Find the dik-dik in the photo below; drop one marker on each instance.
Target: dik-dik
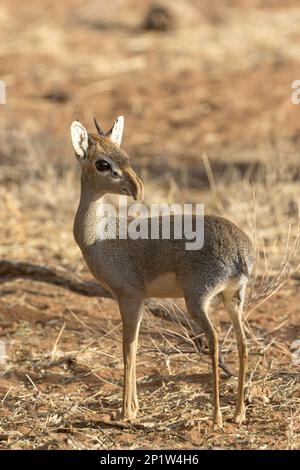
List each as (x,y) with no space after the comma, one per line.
(136,269)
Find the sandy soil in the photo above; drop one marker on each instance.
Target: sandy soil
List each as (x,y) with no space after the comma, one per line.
(218,82)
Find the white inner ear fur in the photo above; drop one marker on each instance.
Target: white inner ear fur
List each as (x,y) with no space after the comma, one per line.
(79,137)
(117,131)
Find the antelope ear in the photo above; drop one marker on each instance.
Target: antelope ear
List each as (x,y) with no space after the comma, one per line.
(116,132)
(79,137)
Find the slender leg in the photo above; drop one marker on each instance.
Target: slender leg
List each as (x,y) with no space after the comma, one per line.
(234,302)
(131,311)
(198,308)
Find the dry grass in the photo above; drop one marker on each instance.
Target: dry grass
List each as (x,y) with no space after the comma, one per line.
(217,126)
(54,396)
(66,384)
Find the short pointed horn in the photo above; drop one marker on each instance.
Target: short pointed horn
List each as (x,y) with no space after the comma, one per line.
(99,130)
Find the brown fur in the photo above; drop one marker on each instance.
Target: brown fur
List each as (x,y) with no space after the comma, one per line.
(136,269)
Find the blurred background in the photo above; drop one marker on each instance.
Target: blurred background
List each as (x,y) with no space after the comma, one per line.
(205,87)
(189,75)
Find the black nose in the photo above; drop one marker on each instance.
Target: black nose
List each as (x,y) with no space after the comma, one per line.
(115,174)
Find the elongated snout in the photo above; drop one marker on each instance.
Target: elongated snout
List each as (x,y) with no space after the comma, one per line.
(133,185)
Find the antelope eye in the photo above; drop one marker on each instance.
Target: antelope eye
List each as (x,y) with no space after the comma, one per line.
(102,165)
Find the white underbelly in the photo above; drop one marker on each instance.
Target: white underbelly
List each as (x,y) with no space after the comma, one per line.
(165,285)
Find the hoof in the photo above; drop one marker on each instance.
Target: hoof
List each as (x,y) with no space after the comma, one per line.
(218,422)
(239,417)
(129,416)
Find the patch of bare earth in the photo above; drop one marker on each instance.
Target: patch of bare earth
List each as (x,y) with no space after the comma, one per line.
(209,118)
(62,383)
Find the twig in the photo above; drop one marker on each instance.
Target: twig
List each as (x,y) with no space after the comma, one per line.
(53,352)
(32,382)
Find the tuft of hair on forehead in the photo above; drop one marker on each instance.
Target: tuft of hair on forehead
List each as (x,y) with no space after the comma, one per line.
(104,145)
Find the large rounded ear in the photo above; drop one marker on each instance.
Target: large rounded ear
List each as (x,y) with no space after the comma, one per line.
(116,132)
(79,137)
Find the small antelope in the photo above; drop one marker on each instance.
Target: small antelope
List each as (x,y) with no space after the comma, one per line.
(136,269)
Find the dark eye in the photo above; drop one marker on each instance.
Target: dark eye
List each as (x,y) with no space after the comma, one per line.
(102,165)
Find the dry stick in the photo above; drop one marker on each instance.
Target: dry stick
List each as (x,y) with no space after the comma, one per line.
(32,382)
(267,297)
(278,327)
(10,270)
(53,352)
(191,339)
(6,395)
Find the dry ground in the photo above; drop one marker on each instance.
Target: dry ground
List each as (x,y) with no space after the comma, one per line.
(62,383)
(208,118)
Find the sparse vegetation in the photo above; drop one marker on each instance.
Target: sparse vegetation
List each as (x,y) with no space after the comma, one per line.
(208,113)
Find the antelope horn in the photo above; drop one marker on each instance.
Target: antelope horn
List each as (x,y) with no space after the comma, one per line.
(99,130)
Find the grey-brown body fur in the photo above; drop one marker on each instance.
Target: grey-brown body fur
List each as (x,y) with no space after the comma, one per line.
(227,254)
(133,270)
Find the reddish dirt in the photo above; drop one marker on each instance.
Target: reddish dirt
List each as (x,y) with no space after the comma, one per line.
(218,82)
(62,382)
(203,86)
